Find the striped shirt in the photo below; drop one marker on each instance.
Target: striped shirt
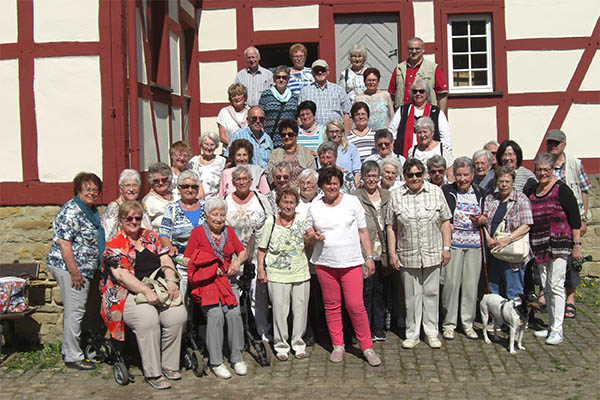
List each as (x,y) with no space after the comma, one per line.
(300,79)
(311,141)
(523,175)
(331,100)
(256,83)
(262,147)
(177,226)
(365,144)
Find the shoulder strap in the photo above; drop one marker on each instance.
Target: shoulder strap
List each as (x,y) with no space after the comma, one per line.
(259,201)
(271,232)
(277,119)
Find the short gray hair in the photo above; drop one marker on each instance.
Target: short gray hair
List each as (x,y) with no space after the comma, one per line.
(424,84)
(415,39)
(425,122)
(369,166)
(251,48)
(544,159)
(214,203)
(308,172)
(129,175)
(188,174)
(159,168)
(484,152)
(281,165)
(358,48)
(239,170)
(436,161)
(393,161)
(281,68)
(491,143)
(327,147)
(211,135)
(463,162)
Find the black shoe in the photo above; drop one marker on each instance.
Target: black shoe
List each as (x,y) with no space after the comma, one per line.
(379,335)
(309,340)
(83,365)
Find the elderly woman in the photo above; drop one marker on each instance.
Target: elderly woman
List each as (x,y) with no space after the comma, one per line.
(379,101)
(133,254)
(247,212)
(462,272)
(240,153)
(208,165)
(348,157)
(390,173)
(362,136)
(160,195)
(180,153)
(328,152)
(310,134)
(404,121)
(428,147)
(278,102)
(375,202)
(283,265)
(436,170)
(510,154)
(297,156)
(418,234)
(233,117)
(351,79)
(77,245)
(129,189)
(337,222)
(212,273)
(514,208)
(300,74)
(180,218)
(484,175)
(555,238)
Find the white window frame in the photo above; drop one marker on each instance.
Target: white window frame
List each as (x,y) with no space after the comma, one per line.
(490,71)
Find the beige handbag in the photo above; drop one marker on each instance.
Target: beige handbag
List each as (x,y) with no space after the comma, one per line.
(515,252)
(159,286)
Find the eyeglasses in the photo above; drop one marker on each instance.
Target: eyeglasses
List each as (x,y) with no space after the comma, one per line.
(420,91)
(414,174)
(256,119)
(284,77)
(414,49)
(162,180)
(282,177)
(384,144)
(544,170)
(287,134)
(130,219)
(195,187)
(336,132)
(435,171)
(130,185)
(242,179)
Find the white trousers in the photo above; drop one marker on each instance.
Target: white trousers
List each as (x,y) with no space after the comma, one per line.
(552,275)
(282,294)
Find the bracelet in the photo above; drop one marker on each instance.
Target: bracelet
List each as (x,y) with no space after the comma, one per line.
(446,248)
(172,279)
(371,257)
(512,239)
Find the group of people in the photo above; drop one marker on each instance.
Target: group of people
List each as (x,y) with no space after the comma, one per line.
(349,203)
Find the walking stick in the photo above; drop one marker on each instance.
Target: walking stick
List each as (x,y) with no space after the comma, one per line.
(484,259)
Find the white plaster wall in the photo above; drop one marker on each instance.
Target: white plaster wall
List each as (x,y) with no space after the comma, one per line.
(69,117)
(471,129)
(139,50)
(174,10)
(176,121)
(284,18)
(65,21)
(8,21)
(187,7)
(581,128)
(541,71)
(175,63)
(591,81)
(10,151)
(147,146)
(217,30)
(528,126)
(423,13)
(550,18)
(215,78)
(161,111)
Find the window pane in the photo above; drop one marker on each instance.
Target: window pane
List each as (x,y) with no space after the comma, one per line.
(460,45)
(459,28)
(477,27)
(478,61)
(478,44)
(461,62)
(480,78)
(461,78)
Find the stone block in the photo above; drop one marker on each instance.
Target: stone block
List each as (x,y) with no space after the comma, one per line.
(11,212)
(56,295)
(32,224)
(47,318)
(591,269)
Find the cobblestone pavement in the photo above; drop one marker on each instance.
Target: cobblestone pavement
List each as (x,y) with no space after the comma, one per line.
(463,368)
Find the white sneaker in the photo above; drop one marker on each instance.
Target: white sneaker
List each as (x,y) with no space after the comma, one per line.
(541,334)
(240,368)
(448,334)
(471,334)
(554,338)
(433,342)
(409,343)
(221,371)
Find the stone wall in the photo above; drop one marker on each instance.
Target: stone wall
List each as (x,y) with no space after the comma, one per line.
(26,234)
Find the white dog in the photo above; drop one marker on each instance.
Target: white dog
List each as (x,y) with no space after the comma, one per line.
(512,313)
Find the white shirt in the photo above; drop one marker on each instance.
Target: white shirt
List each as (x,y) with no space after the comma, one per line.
(443,126)
(339,224)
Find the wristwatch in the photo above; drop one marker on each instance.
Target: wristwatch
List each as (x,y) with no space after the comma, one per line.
(371,257)
(446,248)
(576,243)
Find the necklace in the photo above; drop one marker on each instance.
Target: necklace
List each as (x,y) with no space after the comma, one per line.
(289,224)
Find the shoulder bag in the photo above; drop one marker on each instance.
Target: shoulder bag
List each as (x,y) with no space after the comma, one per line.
(515,252)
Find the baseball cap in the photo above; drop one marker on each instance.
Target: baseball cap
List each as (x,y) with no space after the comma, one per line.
(320,63)
(556,135)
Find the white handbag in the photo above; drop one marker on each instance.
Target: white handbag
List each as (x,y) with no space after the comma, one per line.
(515,252)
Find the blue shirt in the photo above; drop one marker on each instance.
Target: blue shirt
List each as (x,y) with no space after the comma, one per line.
(262,147)
(331,100)
(177,224)
(349,159)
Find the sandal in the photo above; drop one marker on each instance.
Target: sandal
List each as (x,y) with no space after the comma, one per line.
(160,383)
(171,375)
(570,311)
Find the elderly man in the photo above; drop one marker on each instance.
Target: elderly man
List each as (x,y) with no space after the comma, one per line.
(384,143)
(331,100)
(254,133)
(255,78)
(417,67)
(492,147)
(570,170)
(484,174)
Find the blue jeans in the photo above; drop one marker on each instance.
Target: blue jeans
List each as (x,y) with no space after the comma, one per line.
(503,280)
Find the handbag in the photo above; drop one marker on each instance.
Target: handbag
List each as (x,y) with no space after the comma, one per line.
(13,295)
(515,252)
(159,286)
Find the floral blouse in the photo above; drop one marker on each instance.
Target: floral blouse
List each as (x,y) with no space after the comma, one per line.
(120,253)
(210,175)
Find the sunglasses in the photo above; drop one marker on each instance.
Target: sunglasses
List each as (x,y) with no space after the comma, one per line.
(284,77)
(162,180)
(384,144)
(287,134)
(335,133)
(195,187)
(256,119)
(130,219)
(420,91)
(414,174)
(436,171)
(319,71)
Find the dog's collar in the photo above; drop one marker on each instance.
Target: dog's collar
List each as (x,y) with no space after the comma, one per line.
(505,302)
